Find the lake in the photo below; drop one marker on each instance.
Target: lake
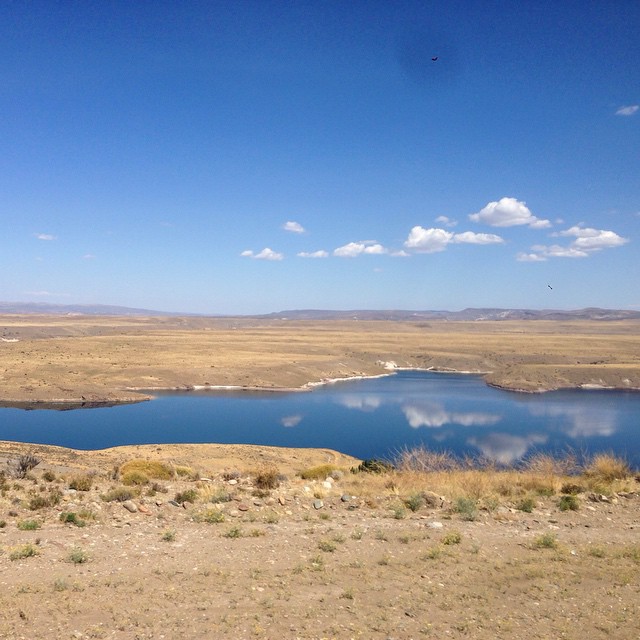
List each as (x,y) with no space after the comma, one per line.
(365,418)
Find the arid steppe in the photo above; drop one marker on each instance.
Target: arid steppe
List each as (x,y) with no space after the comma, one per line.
(106,359)
(225,541)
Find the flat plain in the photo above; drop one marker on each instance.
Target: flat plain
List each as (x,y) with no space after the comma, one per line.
(223,541)
(110,359)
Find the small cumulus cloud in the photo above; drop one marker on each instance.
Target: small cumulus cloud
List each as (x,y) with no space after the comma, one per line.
(355,249)
(265,254)
(628,110)
(594,239)
(428,240)
(587,241)
(508,212)
(433,240)
(45,236)
(447,222)
(293,227)
(313,254)
(88,256)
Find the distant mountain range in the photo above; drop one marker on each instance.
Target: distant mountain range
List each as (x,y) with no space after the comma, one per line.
(591,313)
(78,309)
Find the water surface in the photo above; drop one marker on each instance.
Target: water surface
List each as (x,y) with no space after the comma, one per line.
(365,418)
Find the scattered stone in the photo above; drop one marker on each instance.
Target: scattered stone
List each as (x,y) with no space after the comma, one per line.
(327,485)
(345,497)
(232,481)
(243,507)
(281,500)
(174,503)
(433,500)
(145,510)
(129,505)
(435,525)
(318,504)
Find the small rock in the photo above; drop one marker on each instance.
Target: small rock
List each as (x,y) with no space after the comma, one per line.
(145,510)
(327,485)
(174,503)
(318,504)
(281,500)
(435,525)
(243,507)
(233,481)
(345,497)
(129,505)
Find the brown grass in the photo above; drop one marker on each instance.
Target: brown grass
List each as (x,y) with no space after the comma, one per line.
(152,469)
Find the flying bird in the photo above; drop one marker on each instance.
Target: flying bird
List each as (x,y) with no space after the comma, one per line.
(434,59)
(550,287)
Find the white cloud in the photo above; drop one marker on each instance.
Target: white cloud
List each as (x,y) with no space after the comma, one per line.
(45,236)
(628,110)
(433,240)
(313,254)
(294,227)
(508,212)
(530,257)
(88,256)
(428,240)
(470,237)
(265,254)
(447,222)
(587,241)
(355,249)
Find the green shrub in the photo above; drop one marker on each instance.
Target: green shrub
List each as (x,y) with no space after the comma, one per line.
(373,465)
(189,495)
(546,541)
(568,503)
(526,504)
(72,518)
(415,502)
(467,508)
(119,494)
(28,525)
(78,556)
(326,546)
(23,551)
(453,537)
(210,516)
(234,532)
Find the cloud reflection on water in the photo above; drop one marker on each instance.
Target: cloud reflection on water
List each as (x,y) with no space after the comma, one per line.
(505,448)
(435,416)
(580,422)
(291,421)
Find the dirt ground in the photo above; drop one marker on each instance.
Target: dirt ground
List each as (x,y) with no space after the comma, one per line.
(339,558)
(85,359)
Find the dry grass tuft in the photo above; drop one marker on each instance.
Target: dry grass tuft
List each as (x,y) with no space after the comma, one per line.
(606,468)
(150,468)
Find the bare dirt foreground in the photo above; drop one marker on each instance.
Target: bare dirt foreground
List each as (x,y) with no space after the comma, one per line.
(233,543)
(105,359)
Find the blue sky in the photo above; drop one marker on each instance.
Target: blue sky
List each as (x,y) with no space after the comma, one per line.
(248,157)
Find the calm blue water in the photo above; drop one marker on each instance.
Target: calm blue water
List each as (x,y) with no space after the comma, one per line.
(364,418)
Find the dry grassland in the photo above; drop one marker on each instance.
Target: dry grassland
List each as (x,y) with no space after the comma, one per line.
(207,541)
(100,359)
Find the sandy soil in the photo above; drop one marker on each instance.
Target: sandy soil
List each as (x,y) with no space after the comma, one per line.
(92,359)
(301,561)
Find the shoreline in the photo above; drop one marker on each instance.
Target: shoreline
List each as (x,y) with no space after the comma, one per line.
(146,393)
